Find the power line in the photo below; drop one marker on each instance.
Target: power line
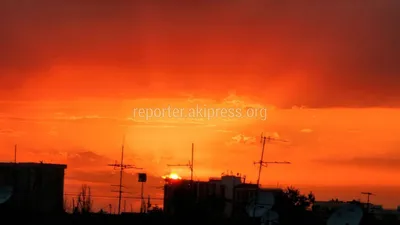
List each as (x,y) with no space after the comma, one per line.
(104,196)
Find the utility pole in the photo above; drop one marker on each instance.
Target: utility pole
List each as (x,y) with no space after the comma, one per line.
(367,194)
(263,163)
(148,203)
(122,167)
(189,165)
(142,205)
(142,178)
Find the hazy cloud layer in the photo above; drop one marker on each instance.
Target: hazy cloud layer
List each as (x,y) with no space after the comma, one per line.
(314,53)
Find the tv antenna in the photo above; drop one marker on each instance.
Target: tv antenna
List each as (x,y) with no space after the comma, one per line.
(15,153)
(189,165)
(121,167)
(263,163)
(368,194)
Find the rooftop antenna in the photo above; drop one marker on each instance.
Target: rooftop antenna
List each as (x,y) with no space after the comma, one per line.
(367,194)
(263,163)
(15,154)
(190,164)
(122,167)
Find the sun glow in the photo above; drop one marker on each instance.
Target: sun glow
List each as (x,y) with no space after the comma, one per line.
(172,176)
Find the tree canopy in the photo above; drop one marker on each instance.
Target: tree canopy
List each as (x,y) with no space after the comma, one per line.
(293,206)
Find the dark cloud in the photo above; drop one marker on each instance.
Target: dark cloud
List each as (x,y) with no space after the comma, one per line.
(87,159)
(108,178)
(6,131)
(129,122)
(89,167)
(10,132)
(77,158)
(315,53)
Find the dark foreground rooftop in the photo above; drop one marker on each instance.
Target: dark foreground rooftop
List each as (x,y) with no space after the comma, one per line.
(32,165)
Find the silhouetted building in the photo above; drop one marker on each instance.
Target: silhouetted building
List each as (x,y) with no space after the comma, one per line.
(198,190)
(220,187)
(36,187)
(228,183)
(325,208)
(328,205)
(230,188)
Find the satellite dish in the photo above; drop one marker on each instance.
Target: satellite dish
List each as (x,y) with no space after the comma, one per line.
(264,202)
(266,199)
(346,215)
(270,218)
(255,211)
(5,193)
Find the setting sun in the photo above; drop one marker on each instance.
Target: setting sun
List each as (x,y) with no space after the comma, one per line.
(172,176)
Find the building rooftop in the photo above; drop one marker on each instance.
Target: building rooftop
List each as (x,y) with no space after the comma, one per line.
(271,189)
(32,164)
(182,181)
(254,186)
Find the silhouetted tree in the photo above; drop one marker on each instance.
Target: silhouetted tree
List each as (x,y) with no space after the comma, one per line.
(297,200)
(84,198)
(292,206)
(65,204)
(155,209)
(335,200)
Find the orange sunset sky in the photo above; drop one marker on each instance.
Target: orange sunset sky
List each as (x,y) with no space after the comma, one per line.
(71,73)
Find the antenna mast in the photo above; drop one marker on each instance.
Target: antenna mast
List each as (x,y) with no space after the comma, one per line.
(263,163)
(368,194)
(189,165)
(121,167)
(15,154)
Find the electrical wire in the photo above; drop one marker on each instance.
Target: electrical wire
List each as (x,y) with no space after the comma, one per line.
(104,196)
